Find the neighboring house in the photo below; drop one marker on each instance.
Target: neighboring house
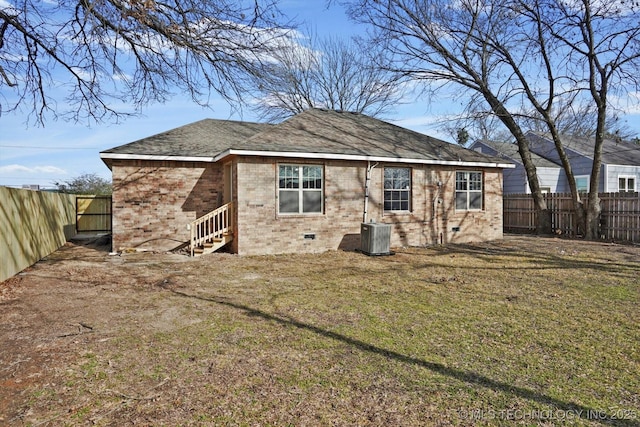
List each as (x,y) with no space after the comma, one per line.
(551,176)
(620,170)
(304,185)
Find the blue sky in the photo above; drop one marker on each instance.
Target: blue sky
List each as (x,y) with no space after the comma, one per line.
(63,150)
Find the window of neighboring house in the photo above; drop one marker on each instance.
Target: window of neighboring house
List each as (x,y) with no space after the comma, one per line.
(300,189)
(397,189)
(582,183)
(545,190)
(626,183)
(468,190)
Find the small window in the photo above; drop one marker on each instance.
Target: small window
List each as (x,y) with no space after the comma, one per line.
(582,183)
(300,189)
(397,189)
(627,184)
(468,190)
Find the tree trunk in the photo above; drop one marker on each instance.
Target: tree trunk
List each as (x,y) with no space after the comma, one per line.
(592,217)
(543,215)
(543,222)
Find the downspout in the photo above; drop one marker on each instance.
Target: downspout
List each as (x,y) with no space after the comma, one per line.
(367,181)
(434,212)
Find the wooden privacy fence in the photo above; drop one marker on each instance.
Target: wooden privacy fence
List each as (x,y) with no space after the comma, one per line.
(619,218)
(93,214)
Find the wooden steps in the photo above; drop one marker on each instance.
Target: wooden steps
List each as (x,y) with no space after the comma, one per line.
(213,245)
(212,231)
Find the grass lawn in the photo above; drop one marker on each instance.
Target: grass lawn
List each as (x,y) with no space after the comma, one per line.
(523,331)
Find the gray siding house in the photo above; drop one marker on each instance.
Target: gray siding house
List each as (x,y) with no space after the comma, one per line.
(551,175)
(620,170)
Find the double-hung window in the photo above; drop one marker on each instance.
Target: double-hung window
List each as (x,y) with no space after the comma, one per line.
(468,190)
(626,183)
(397,189)
(300,189)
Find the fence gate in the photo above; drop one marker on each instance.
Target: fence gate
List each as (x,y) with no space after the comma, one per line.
(93,214)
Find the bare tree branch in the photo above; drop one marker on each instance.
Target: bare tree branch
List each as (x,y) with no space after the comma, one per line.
(526,60)
(324,73)
(109,58)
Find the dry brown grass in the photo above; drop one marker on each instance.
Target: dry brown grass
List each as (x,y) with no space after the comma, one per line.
(524,331)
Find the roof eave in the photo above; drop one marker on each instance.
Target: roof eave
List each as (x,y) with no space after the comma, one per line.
(355,157)
(293,154)
(119,156)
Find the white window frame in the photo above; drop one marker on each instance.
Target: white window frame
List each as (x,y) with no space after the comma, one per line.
(467,190)
(588,178)
(626,179)
(297,186)
(392,188)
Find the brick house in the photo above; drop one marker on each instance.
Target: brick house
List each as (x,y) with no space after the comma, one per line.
(304,185)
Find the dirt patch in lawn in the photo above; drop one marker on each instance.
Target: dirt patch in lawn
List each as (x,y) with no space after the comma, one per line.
(89,337)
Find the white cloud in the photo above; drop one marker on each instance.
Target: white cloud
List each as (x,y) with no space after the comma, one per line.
(37,170)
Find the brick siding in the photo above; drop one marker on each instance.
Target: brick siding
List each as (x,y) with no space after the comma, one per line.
(154,201)
(261,230)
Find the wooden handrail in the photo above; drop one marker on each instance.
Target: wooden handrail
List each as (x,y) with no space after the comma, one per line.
(214,225)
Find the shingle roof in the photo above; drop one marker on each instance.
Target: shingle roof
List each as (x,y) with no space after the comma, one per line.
(204,138)
(510,151)
(314,132)
(613,152)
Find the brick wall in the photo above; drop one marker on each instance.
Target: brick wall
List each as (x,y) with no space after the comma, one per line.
(433,218)
(153,201)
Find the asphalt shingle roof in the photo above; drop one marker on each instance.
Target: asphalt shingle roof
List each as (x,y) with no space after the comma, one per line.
(204,138)
(613,152)
(314,131)
(510,151)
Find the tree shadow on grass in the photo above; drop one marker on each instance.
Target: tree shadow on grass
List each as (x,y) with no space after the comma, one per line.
(576,410)
(517,257)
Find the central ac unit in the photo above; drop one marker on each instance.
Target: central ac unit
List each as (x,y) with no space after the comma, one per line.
(375,239)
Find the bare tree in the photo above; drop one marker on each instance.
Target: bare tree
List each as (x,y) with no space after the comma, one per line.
(440,43)
(518,57)
(578,119)
(327,73)
(600,43)
(479,122)
(111,57)
(87,183)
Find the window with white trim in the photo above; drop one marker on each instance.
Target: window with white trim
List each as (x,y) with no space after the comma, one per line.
(582,183)
(626,183)
(397,189)
(300,189)
(468,190)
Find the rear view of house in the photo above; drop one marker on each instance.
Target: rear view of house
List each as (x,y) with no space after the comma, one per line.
(304,185)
